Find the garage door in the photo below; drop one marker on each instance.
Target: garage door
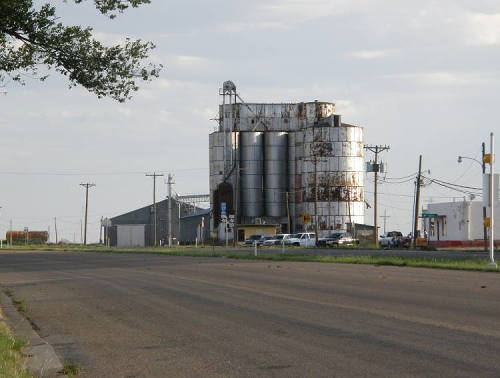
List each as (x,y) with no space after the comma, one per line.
(130,235)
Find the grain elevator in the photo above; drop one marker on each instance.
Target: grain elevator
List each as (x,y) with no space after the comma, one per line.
(293,165)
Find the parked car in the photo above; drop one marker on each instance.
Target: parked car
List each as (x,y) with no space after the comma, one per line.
(392,239)
(303,239)
(277,239)
(252,239)
(322,242)
(269,241)
(343,239)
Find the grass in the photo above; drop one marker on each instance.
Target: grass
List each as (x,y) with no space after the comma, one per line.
(229,253)
(71,369)
(11,360)
(20,305)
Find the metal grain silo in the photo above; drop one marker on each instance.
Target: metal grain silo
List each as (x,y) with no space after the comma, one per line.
(333,162)
(275,176)
(252,170)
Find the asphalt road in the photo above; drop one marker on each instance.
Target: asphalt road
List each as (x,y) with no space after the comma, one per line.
(159,316)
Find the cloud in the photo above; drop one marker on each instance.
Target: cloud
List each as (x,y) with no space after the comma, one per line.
(483,29)
(445,78)
(245,26)
(190,60)
(296,11)
(285,14)
(370,54)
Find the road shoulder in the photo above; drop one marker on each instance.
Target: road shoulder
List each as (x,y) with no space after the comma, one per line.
(41,358)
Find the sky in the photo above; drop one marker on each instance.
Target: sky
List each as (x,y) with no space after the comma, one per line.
(420,76)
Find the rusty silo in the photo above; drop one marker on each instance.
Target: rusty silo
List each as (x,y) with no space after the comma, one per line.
(281,161)
(332,176)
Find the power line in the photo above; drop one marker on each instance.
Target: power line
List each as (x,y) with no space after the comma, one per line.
(451,184)
(401,178)
(111,173)
(383,181)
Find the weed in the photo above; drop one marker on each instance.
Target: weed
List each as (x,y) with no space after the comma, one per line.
(20,305)
(71,369)
(11,360)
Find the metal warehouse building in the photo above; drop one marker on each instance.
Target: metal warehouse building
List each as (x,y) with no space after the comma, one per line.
(284,163)
(136,228)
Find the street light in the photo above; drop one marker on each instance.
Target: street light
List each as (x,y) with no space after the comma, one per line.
(460,160)
(483,168)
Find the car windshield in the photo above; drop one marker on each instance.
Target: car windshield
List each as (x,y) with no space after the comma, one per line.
(279,237)
(269,237)
(336,235)
(394,234)
(254,237)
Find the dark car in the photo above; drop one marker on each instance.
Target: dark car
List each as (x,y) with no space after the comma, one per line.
(345,239)
(323,242)
(252,239)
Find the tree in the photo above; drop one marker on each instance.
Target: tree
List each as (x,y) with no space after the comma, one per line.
(30,38)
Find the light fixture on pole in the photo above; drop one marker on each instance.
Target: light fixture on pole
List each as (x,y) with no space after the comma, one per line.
(461,158)
(483,169)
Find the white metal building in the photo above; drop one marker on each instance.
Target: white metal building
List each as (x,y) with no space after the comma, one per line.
(458,221)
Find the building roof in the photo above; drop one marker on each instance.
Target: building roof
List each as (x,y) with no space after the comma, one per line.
(199,213)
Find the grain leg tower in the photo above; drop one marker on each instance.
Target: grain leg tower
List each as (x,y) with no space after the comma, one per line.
(275,163)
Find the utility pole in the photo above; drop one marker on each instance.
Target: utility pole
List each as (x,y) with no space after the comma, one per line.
(376,169)
(170,182)
(385,216)
(100,231)
(86,186)
(492,201)
(10,224)
(417,201)
(315,200)
(154,175)
(315,161)
(55,227)
(485,229)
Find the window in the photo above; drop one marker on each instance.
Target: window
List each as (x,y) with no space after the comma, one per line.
(443,226)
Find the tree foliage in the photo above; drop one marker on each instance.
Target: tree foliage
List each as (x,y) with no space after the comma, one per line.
(30,38)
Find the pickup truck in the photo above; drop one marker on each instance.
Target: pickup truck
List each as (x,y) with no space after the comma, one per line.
(392,239)
(303,239)
(259,239)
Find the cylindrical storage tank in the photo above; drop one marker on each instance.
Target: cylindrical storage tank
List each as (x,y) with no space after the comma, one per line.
(292,172)
(333,161)
(275,176)
(216,158)
(252,170)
